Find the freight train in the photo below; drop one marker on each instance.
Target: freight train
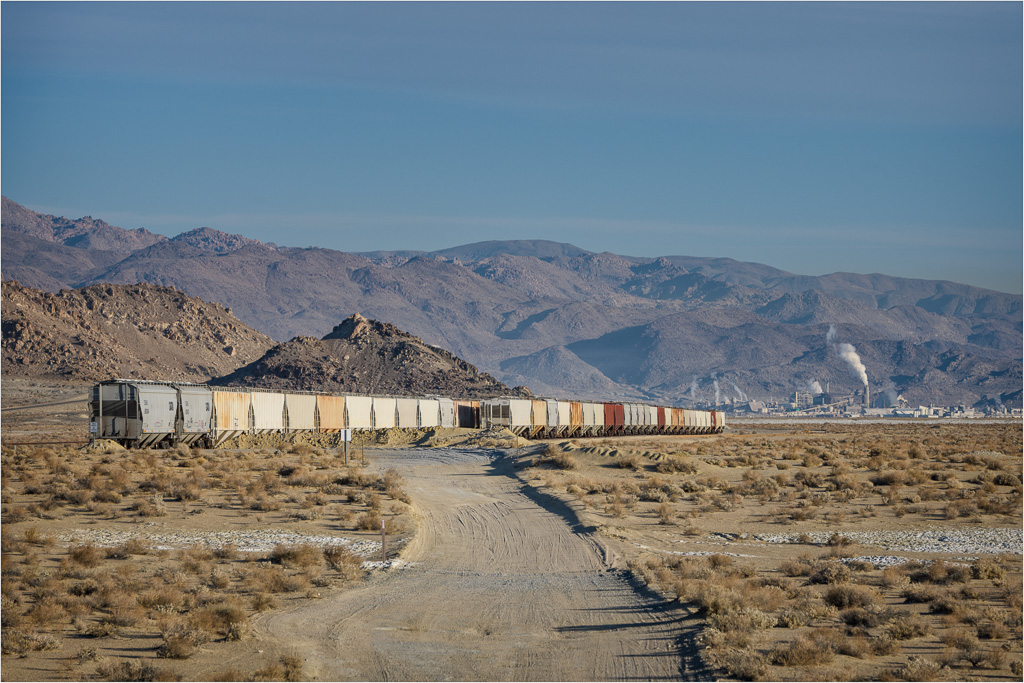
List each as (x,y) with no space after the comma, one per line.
(142,413)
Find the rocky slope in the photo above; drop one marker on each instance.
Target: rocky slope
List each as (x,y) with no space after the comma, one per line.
(573,322)
(106,331)
(366,356)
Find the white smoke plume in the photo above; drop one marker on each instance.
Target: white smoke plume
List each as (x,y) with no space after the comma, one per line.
(812,387)
(693,389)
(739,392)
(718,391)
(849,354)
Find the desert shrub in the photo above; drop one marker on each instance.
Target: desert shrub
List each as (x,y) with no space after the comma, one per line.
(150,507)
(845,596)
(557,458)
(746,666)
(796,568)
(125,550)
(908,627)
(793,618)
(830,572)
(673,464)
(369,521)
(16,514)
(302,556)
(1006,479)
(746,619)
(666,513)
(18,642)
(866,617)
(162,597)
(133,670)
(616,508)
(124,610)
(270,579)
(945,604)
(261,601)
(801,652)
(939,572)
(287,668)
(984,568)
(895,577)
(183,490)
(992,630)
(960,639)
(218,618)
(341,559)
(86,555)
(631,462)
(177,646)
(916,669)
(920,594)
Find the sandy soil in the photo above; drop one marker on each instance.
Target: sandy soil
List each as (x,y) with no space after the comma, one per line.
(505,584)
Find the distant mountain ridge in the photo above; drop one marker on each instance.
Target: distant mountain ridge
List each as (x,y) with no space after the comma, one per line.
(567,320)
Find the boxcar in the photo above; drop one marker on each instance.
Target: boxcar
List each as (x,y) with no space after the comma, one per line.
(359,412)
(331,410)
(267,412)
(408,413)
(232,414)
(301,410)
(383,412)
(196,413)
(429,412)
(446,407)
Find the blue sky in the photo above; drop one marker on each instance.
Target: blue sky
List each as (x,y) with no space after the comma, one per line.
(863,137)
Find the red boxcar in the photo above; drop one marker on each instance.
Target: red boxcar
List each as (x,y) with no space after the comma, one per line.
(614,417)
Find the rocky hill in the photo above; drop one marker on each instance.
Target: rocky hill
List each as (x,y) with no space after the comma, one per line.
(105,331)
(366,356)
(572,322)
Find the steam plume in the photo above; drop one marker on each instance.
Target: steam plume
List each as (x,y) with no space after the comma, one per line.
(812,387)
(739,392)
(890,393)
(693,389)
(849,354)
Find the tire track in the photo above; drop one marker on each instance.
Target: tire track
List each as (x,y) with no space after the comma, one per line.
(506,586)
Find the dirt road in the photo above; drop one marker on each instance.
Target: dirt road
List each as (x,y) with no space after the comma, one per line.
(506,585)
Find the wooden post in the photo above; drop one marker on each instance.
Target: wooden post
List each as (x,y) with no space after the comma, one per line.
(383,543)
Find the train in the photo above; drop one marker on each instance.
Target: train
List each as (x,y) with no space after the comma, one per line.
(157,414)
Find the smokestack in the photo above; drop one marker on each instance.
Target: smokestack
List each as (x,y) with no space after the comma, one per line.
(867,396)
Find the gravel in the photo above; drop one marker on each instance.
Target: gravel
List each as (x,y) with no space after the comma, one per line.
(959,541)
(250,541)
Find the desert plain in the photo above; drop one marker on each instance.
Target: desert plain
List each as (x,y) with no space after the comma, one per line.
(799,550)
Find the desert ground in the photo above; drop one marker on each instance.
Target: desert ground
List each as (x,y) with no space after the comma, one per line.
(817,551)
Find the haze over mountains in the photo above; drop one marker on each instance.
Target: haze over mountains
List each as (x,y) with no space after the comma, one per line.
(568,322)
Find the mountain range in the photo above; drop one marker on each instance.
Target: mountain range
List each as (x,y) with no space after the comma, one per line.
(565,321)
